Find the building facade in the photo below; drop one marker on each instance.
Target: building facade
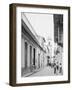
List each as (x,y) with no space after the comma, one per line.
(58,29)
(33,54)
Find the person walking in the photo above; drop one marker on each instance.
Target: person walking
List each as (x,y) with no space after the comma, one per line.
(60,70)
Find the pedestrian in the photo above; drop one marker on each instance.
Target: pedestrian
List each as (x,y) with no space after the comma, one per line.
(54,68)
(60,66)
(54,64)
(57,66)
(48,61)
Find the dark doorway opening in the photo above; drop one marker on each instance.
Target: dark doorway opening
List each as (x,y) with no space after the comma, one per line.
(26,47)
(30,55)
(34,56)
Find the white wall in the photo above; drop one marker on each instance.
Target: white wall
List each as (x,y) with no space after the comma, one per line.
(4,45)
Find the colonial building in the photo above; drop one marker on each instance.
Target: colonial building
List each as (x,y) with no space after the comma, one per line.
(32,52)
(58,29)
(42,42)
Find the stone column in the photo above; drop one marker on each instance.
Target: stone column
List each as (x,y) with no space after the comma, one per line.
(28,56)
(22,52)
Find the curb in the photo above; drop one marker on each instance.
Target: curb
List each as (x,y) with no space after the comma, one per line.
(32,73)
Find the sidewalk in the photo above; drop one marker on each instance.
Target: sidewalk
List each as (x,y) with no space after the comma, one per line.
(31,73)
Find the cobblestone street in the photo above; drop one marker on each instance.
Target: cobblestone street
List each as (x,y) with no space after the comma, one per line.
(47,71)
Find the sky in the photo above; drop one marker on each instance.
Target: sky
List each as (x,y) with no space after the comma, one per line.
(42,24)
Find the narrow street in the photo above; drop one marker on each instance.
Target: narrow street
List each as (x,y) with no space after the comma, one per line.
(47,71)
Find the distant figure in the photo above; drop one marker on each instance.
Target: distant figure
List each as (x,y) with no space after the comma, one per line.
(55,69)
(57,66)
(48,61)
(60,66)
(54,65)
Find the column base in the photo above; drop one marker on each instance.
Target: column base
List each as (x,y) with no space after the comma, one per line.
(27,70)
